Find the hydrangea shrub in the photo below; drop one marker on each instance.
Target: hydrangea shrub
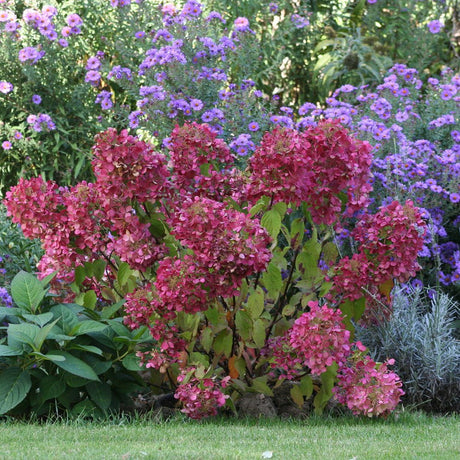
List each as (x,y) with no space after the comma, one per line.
(238,275)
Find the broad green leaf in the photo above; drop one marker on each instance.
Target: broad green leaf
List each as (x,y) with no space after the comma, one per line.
(67,318)
(14,386)
(75,366)
(5,350)
(80,275)
(306,386)
(85,408)
(271,221)
(199,358)
(330,253)
(259,333)
(280,208)
(297,396)
(297,232)
(243,324)
(51,387)
(27,291)
(325,392)
(131,362)
(259,384)
(7,311)
(109,312)
(207,337)
(255,303)
(273,281)
(259,206)
(99,366)
(90,299)
(100,393)
(99,268)
(47,279)
(40,320)
(223,343)
(85,327)
(88,348)
(124,272)
(24,333)
(42,334)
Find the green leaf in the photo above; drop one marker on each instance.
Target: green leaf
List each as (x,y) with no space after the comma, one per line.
(243,324)
(67,318)
(43,335)
(24,333)
(255,303)
(207,337)
(51,387)
(27,291)
(75,366)
(85,408)
(297,396)
(325,392)
(199,359)
(7,311)
(90,299)
(223,343)
(124,272)
(40,320)
(273,281)
(259,385)
(306,386)
(80,275)
(280,208)
(88,348)
(271,221)
(259,333)
(100,393)
(85,327)
(259,206)
(47,279)
(14,386)
(5,350)
(99,268)
(109,312)
(131,362)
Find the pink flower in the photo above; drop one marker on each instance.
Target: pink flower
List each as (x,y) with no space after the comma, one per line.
(368,388)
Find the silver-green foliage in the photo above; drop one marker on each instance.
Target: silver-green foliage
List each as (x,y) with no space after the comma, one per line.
(420,336)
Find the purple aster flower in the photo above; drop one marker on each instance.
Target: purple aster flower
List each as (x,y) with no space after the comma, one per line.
(93,77)
(63,42)
(36,99)
(196,104)
(273,7)
(139,34)
(17,135)
(5,87)
(241,24)
(253,126)
(454,197)
(299,21)
(435,26)
(6,145)
(207,116)
(73,20)
(93,63)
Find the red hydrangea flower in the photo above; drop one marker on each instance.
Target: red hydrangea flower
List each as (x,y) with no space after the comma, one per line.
(320,167)
(368,388)
(316,340)
(200,397)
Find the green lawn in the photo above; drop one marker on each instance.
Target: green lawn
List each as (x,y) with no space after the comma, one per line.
(411,436)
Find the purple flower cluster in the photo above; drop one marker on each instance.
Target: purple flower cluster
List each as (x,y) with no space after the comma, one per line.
(5,298)
(406,166)
(41,122)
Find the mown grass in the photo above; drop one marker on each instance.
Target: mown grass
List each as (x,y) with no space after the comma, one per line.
(409,436)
